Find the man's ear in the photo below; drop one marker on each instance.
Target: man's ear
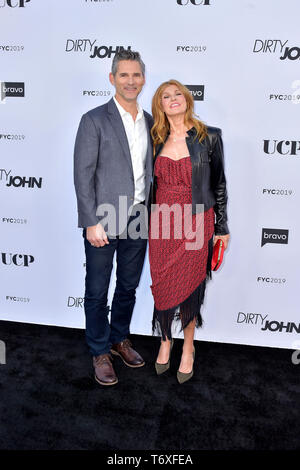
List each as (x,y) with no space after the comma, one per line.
(111,78)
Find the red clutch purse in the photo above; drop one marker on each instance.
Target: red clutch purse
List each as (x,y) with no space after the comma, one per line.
(217,257)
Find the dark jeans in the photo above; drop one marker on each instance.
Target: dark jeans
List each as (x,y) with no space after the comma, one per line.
(100,335)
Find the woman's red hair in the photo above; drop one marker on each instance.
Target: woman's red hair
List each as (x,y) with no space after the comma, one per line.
(161,125)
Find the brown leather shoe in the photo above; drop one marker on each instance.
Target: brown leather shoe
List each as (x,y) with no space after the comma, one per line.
(104,371)
(129,356)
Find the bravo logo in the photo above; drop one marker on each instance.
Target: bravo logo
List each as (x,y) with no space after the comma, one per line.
(197,91)
(274,235)
(12,90)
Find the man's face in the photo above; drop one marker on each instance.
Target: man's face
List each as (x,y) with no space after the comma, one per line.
(128,80)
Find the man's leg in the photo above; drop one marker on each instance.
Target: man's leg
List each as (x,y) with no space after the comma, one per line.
(99,262)
(130,260)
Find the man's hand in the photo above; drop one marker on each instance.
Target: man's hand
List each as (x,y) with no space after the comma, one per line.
(225,239)
(96,236)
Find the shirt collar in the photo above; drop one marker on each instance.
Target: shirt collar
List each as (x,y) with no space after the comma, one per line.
(124,113)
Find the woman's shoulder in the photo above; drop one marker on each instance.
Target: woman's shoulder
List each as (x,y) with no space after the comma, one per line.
(214,130)
(211,131)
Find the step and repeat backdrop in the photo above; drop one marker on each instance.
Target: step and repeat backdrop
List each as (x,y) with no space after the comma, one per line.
(240,59)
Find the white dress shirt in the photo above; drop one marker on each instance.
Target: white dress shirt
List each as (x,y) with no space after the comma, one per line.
(137,137)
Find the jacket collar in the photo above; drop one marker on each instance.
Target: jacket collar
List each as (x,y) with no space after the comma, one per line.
(192,132)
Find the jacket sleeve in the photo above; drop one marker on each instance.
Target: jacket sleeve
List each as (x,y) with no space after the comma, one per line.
(218,182)
(85,163)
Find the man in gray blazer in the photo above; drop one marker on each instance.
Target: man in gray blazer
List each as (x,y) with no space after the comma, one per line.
(113,161)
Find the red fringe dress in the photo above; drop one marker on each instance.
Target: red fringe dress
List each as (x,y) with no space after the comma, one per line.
(178,274)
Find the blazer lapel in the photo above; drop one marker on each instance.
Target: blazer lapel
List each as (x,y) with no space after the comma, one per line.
(117,125)
(149,155)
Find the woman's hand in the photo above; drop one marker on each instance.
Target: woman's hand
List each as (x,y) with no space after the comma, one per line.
(225,239)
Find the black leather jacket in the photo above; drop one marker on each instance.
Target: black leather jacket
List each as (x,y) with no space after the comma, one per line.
(208,177)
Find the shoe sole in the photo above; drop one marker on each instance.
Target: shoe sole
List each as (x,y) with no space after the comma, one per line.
(105,383)
(115,353)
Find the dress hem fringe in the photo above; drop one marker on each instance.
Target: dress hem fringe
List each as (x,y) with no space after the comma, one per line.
(163,319)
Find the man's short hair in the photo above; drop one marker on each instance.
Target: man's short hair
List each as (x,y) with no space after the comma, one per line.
(126,54)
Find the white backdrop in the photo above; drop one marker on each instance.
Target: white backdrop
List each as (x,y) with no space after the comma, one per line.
(231,48)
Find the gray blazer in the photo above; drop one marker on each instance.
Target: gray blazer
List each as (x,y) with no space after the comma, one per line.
(102,163)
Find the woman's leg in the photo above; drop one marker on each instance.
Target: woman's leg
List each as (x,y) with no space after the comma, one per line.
(186,364)
(164,351)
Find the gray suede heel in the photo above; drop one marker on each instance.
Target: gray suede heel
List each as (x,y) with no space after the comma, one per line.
(184,377)
(161,368)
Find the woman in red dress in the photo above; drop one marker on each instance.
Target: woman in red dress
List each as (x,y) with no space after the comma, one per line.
(188,216)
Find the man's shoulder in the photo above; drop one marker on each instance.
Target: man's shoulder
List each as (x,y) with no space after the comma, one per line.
(97,112)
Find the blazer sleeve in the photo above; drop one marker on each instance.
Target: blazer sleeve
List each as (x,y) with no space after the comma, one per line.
(218,182)
(85,162)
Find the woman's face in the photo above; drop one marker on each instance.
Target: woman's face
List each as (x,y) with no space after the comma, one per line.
(173,101)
